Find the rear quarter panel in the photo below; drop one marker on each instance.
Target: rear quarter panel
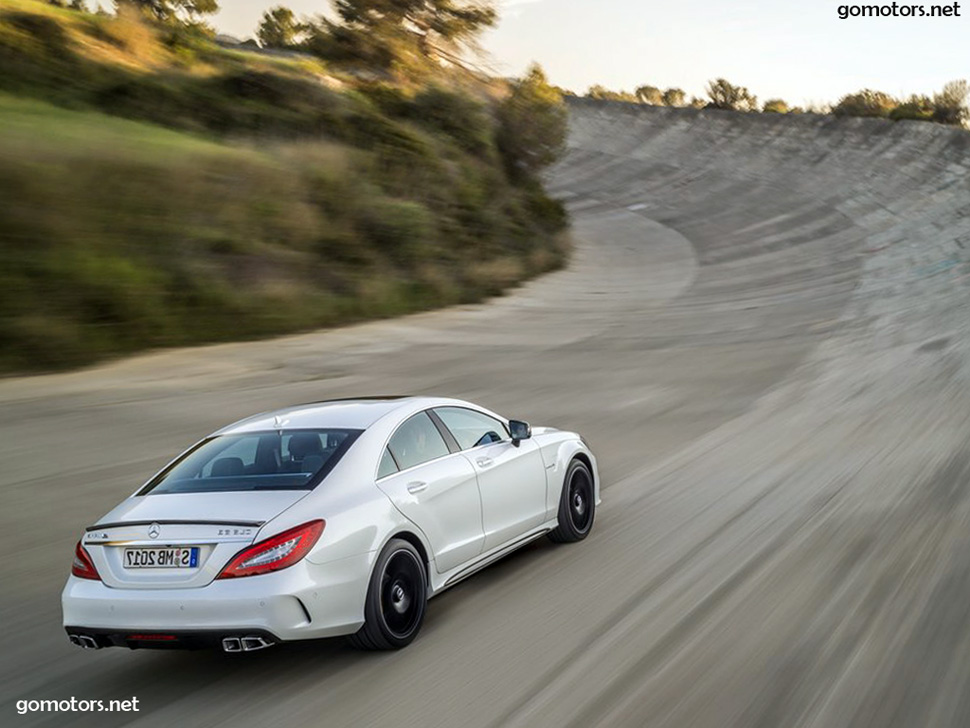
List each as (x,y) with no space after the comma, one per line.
(360,518)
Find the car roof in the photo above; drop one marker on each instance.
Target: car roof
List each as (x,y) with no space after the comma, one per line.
(357,413)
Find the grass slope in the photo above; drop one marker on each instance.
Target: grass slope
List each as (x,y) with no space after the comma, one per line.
(240,198)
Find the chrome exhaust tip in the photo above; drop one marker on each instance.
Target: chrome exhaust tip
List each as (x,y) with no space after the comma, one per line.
(83,640)
(255,642)
(231,644)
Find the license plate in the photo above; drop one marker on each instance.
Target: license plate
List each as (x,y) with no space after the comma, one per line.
(163,558)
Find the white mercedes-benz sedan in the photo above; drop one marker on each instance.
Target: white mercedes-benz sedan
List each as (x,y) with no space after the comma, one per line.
(333,518)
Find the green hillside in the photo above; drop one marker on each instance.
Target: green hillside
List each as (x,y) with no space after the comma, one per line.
(159,191)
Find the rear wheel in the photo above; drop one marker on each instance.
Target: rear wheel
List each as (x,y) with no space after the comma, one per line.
(576,505)
(396,599)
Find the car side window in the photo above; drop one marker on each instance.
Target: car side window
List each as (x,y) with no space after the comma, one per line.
(472,428)
(417,441)
(387,466)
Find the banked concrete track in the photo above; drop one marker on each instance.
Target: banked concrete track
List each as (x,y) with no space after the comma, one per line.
(763,333)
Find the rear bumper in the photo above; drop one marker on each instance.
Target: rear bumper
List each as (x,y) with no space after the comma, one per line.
(167,640)
(305,601)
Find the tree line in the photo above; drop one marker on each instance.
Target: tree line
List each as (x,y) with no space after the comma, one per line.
(409,38)
(390,36)
(948,106)
(401,43)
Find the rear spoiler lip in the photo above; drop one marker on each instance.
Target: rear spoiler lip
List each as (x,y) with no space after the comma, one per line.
(169,521)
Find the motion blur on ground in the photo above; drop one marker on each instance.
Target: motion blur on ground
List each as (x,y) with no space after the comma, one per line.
(762,330)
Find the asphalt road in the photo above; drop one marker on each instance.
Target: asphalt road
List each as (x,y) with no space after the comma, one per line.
(763,334)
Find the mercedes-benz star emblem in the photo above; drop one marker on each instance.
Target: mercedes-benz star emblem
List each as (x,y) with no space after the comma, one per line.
(154,530)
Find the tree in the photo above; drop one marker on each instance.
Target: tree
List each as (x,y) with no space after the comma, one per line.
(675,97)
(650,95)
(279,28)
(697,103)
(393,29)
(725,95)
(173,11)
(865,103)
(950,105)
(775,106)
(532,124)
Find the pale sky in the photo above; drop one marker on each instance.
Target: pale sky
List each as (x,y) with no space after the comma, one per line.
(795,49)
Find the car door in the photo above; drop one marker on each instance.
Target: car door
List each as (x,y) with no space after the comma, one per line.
(511,478)
(435,488)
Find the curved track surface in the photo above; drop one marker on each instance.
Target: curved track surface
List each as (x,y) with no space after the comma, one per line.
(763,334)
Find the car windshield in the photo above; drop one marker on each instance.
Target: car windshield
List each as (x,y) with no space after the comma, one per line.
(278,460)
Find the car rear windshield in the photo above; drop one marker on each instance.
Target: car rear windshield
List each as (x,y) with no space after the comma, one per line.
(278,460)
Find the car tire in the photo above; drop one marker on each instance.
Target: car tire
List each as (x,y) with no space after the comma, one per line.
(577,505)
(397,597)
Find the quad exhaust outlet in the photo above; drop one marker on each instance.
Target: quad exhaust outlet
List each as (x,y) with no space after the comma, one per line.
(249,643)
(85,641)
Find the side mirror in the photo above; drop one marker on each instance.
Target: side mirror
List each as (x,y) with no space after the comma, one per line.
(520,431)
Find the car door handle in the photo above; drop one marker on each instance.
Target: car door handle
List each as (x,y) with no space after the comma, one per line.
(417,486)
(484,462)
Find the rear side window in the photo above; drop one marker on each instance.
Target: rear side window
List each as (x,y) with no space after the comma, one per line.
(417,441)
(387,466)
(287,460)
(471,428)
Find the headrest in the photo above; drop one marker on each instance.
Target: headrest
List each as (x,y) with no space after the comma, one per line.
(224,467)
(303,444)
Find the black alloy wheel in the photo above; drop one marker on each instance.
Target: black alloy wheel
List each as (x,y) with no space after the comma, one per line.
(396,599)
(577,505)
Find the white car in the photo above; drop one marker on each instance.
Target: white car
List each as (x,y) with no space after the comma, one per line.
(325,519)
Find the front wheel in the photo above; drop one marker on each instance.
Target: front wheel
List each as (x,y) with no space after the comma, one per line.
(577,505)
(396,599)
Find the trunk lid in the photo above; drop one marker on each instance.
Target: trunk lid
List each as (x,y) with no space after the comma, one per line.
(200,531)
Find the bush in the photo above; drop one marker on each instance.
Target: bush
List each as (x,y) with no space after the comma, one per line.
(650,95)
(950,105)
(390,99)
(45,32)
(126,31)
(455,114)
(675,97)
(916,108)
(144,98)
(865,103)
(533,124)
(725,95)
(549,213)
(775,106)
(601,93)
(401,228)
(34,50)
(370,129)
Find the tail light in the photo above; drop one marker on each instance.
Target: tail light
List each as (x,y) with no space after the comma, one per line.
(274,553)
(83,567)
